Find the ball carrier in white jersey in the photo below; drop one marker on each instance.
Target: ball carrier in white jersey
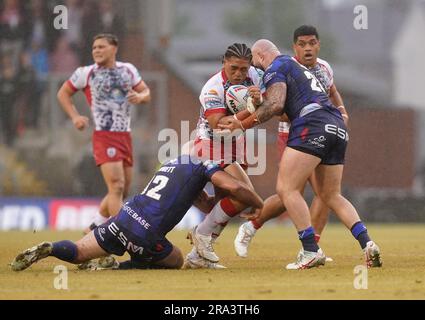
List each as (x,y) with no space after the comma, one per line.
(237,70)
(111,87)
(306,46)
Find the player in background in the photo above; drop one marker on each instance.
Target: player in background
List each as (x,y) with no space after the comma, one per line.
(317,142)
(237,70)
(111,87)
(141,226)
(306,46)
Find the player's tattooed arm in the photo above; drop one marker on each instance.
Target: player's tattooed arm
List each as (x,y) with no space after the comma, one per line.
(273,105)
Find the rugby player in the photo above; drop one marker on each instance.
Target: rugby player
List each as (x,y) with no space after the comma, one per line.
(141,226)
(317,142)
(306,46)
(237,70)
(111,87)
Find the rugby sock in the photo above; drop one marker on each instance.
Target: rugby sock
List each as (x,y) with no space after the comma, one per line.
(251,227)
(220,215)
(307,239)
(65,251)
(218,230)
(257,225)
(359,231)
(317,237)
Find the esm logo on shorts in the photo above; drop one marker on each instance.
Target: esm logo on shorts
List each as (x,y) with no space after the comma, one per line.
(113,228)
(339,132)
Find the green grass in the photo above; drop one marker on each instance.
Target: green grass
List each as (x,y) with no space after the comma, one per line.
(260,276)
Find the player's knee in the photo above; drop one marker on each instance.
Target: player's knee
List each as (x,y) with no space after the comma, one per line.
(281,191)
(117,186)
(179,260)
(175,259)
(328,196)
(81,255)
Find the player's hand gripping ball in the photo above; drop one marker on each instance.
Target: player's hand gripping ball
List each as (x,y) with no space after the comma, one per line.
(236,98)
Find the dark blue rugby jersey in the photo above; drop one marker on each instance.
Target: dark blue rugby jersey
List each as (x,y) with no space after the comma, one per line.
(303,89)
(168,196)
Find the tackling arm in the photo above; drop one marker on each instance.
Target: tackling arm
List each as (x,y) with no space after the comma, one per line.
(272,106)
(237,189)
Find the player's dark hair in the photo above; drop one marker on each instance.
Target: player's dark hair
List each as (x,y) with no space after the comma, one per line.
(305,30)
(112,39)
(238,50)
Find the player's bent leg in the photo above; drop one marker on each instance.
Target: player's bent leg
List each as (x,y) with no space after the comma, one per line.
(128,178)
(329,180)
(319,218)
(319,215)
(295,169)
(88,248)
(239,173)
(173,261)
(113,174)
(83,250)
(318,209)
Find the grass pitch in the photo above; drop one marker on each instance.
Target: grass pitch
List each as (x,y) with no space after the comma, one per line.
(260,276)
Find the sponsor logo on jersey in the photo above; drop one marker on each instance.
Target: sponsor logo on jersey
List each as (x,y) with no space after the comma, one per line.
(213,102)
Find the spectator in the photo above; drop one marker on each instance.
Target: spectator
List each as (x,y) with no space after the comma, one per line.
(13,28)
(63,59)
(38,69)
(74,32)
(91,27)
(9,86)
(110,21)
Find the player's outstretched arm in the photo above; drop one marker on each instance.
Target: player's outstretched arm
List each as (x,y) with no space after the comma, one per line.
(237,189)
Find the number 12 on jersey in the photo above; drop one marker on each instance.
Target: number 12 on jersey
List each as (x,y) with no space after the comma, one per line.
(160,183)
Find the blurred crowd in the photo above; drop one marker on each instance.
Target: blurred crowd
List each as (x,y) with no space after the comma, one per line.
(31,49)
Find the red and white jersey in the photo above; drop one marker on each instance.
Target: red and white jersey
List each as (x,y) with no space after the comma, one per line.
(106,90)
(213,98)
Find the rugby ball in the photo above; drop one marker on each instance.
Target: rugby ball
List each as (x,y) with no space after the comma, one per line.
(236,98)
